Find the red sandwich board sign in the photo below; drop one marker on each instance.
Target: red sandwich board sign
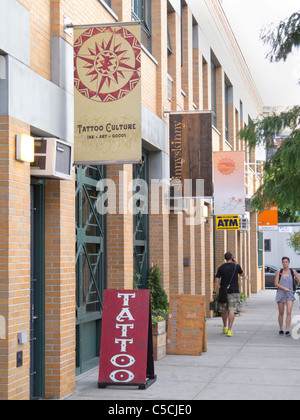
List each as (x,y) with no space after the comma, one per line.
(126,351)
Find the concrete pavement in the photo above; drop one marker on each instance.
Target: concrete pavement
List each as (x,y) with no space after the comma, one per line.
(255,364)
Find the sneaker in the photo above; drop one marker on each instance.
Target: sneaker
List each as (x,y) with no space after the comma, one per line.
(225,330)
(281,332)
(287,334)
(230,333)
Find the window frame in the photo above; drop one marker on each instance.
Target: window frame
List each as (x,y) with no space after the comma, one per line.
(214,91)
(141,11)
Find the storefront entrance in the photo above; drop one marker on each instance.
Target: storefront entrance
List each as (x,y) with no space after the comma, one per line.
(90,267)
(141,229)
(37,290)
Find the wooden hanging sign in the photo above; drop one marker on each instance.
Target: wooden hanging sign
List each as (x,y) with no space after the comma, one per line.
(187,325)
(126,350)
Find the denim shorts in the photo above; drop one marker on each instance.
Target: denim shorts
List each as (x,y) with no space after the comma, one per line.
(233,303)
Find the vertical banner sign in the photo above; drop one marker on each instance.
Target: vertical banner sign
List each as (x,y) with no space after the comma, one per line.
(186,326)
(191,148)
(126,354)
(107,94)
(229,183)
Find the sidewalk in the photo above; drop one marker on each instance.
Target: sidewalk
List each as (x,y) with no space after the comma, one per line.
(256,363)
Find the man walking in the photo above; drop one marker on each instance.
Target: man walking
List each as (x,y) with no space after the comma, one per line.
(229,274)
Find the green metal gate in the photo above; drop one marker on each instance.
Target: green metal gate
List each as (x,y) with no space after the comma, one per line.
(90,266)
(141,230)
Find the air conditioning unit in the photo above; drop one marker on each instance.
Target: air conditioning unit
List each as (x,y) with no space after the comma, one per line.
(244,223)
(53,158)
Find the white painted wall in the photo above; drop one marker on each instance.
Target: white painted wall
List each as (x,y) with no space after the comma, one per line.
(280,247)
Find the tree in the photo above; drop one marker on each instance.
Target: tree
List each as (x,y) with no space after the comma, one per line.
(282,38)
(294,242)
(281,179)
(285,215)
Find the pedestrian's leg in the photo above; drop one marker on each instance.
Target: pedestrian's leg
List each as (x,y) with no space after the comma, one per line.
(280,315)
(224,318)
(289,308)
(231,320)
(233,302)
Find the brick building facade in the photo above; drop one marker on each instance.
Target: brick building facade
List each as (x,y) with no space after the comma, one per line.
(48,289)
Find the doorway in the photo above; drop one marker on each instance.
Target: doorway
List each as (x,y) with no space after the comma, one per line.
(90,266)
(37,296)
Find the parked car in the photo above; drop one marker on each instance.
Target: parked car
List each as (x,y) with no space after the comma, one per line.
(270,272)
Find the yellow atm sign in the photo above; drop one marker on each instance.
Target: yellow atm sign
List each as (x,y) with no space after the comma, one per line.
(227,222)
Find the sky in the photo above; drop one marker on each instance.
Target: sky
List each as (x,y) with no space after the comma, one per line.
(277,82)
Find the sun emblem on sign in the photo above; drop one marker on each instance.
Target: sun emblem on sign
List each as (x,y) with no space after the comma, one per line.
(226,166)
(107,63)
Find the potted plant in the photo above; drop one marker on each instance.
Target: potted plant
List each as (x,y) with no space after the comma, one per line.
(160,309)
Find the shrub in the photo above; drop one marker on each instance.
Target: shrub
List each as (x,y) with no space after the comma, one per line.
(159,298)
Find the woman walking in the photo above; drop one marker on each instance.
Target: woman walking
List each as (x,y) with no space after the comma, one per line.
(285,281)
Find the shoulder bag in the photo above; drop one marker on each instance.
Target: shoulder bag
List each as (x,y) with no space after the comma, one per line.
(223,291)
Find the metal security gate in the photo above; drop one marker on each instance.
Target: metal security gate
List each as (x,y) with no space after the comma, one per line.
(90,266)
(141,230)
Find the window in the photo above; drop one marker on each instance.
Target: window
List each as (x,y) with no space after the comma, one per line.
(141,10)
(214,92)
(228,101)
(170,87)
(226,94)
(170,51)
(249,148)
(260,248)
(267,245)
(3,66)
(241,111)
(108,2)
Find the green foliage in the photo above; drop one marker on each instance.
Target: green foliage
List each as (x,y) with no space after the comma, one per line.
(281,179)
(285,215)
(282,38)
(264,129)
(137,280)
(159,298)
(157,319)
(294,242)
(243,298)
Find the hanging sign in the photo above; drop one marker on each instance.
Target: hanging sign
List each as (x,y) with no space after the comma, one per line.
(191,148)
(186,326)
(268,219)
(227,222)
(107,94)
(126,351)
(229,183)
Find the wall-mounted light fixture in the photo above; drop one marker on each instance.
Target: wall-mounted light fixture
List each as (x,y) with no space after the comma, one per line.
(205,213)
(24,148)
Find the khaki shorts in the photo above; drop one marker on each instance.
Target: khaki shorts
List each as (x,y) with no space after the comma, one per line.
(233,303)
